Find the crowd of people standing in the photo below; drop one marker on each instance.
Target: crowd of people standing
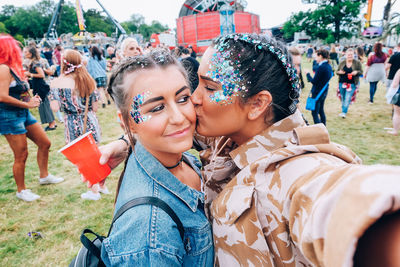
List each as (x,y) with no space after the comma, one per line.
(269,190)
(374,64)
(62,82)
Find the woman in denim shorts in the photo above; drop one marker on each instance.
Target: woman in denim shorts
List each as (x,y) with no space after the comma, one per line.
(16,122)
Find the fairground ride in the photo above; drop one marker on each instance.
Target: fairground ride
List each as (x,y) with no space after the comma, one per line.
(374,31)
(200,21)
(82,37)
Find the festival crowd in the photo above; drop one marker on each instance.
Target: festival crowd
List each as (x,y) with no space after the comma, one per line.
(264,188)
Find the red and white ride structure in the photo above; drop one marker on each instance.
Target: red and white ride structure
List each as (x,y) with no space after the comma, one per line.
(200,21)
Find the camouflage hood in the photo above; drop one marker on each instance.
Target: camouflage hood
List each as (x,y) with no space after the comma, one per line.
(288,138)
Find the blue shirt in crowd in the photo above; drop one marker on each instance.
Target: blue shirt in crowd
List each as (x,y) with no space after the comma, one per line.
(97,68)
(322,75)
(147,236)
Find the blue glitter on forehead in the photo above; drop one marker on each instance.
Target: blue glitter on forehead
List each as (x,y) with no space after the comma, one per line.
(137,103)
(223,47)
(226,72)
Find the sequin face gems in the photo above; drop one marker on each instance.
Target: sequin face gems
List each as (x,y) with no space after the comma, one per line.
(224,68)
(137,103)
(226,72)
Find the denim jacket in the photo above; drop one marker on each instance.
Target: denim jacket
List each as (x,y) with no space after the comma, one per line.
(97,68)
(147,236)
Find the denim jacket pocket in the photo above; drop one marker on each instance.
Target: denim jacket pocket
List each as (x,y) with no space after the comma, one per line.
(197,240)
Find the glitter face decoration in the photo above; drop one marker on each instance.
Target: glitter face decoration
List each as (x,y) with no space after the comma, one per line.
(137,103)
(225,72)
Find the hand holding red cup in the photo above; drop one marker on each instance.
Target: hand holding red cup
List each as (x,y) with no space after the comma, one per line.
(84,153)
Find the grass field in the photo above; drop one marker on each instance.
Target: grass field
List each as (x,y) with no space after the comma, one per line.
(60,214)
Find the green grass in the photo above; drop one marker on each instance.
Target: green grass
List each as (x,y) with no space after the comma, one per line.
(60,214)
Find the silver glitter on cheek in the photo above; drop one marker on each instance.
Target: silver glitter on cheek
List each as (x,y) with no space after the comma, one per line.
(137,103)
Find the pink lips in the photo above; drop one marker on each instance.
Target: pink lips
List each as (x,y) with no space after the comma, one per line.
(180,133)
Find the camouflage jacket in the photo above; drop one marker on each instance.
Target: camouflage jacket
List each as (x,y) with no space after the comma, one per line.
(290,197)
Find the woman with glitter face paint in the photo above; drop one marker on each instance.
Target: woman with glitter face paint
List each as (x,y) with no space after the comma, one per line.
(278,192)
(152,95)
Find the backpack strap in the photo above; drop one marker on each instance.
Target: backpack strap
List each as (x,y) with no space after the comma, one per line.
(323,89)
(89,244)
(149,201)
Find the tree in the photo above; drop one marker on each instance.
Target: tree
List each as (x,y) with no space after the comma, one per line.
(33,21)
(7,11)
(28,23)
(330,21)
(68,20)
(157,27)
(96,22)
(133,24)
(391,21)
(296,23)
(3,28)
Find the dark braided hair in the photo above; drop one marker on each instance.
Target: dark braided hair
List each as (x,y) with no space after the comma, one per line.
(118,90)
(264,64)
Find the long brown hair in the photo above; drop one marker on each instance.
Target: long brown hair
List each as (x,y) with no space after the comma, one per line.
(71,64)
(35,57)
(378,49)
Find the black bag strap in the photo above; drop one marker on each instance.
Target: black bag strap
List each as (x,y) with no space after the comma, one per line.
(151,201)
(323,89)
(16,78)
(89,243)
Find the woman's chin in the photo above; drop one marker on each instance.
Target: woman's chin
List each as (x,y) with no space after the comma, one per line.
(204,132)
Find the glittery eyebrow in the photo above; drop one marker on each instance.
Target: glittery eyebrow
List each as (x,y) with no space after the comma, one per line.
(154,99)
(159,98)
(209,79)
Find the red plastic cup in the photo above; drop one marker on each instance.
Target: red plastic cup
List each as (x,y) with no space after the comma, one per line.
(84,153)
(349,76)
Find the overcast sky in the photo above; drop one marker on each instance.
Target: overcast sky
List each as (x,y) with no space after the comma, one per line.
(271,12)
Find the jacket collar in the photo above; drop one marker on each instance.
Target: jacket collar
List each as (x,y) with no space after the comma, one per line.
(156,171)
(323,61)
(274,137)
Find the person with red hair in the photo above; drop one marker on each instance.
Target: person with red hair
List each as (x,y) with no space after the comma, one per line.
(16,122)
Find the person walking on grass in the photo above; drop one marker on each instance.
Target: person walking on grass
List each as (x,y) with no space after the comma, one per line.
(375,70)
(393,97)
(17,123)
(321,77)
(349,71)
(393,65)
(96,67)
(71,90)
(36,73)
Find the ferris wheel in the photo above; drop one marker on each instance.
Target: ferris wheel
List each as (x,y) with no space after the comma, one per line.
(191,7)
